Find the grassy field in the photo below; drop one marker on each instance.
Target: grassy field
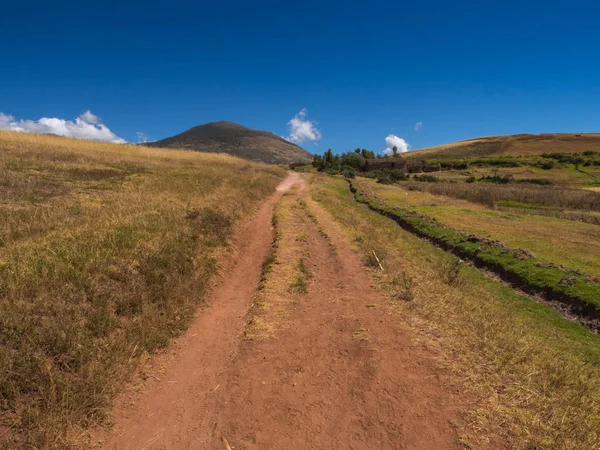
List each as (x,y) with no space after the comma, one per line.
(105,253)
(519,145)
(567,175)
(549,239)
(534,376)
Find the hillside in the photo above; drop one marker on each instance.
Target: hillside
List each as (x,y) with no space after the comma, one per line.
(236,140)
(513,145)
(105,253)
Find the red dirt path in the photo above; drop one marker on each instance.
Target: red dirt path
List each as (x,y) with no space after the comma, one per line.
(339,374)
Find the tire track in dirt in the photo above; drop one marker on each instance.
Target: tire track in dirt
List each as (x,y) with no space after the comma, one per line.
(336,369)
(338,372)
(174,409)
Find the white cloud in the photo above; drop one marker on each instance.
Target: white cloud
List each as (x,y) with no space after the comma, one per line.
(418,126)
(86,126)
(5,121)
(89,117)
(142,137)
(302,129)
(394,141)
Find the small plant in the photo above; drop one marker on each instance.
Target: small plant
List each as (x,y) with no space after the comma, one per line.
(303,270)
(300,284)
(405,287)
(302,237)
(375,259)
(359,239)
(267,263)
(451,271)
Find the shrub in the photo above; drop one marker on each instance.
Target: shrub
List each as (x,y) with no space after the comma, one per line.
(353,160)
(547,165)
(504,179)
(398,175)
(384,179)
(426,178)
(348,172)
(540,181)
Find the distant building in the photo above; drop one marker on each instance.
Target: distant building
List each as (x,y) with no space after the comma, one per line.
(432,168)
(398,163)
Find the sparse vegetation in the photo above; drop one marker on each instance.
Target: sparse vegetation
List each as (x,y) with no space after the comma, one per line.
(403,287)
(105,252)
(303,277)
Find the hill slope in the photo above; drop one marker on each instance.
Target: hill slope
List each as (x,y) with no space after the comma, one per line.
(236,140)
(513,145)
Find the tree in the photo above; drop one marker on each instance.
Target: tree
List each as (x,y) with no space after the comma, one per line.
(395,150)
(331,162)
(367,154)
(353,159)
(318,162)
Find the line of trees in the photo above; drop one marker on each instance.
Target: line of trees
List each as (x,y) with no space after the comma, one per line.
(331,163)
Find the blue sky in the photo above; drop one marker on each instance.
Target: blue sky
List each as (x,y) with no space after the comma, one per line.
(361,70)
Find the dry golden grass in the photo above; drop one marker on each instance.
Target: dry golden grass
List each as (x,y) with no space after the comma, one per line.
(560,176)
(105,252)
(549,239)
(536,375)
(513,145)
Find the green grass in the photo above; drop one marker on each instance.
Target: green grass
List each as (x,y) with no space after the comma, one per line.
(520,205)
(550,239)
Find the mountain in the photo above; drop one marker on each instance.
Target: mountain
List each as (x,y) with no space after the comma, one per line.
(513,145)
(236,140)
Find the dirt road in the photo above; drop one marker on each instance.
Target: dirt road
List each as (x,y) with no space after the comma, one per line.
(317,359)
